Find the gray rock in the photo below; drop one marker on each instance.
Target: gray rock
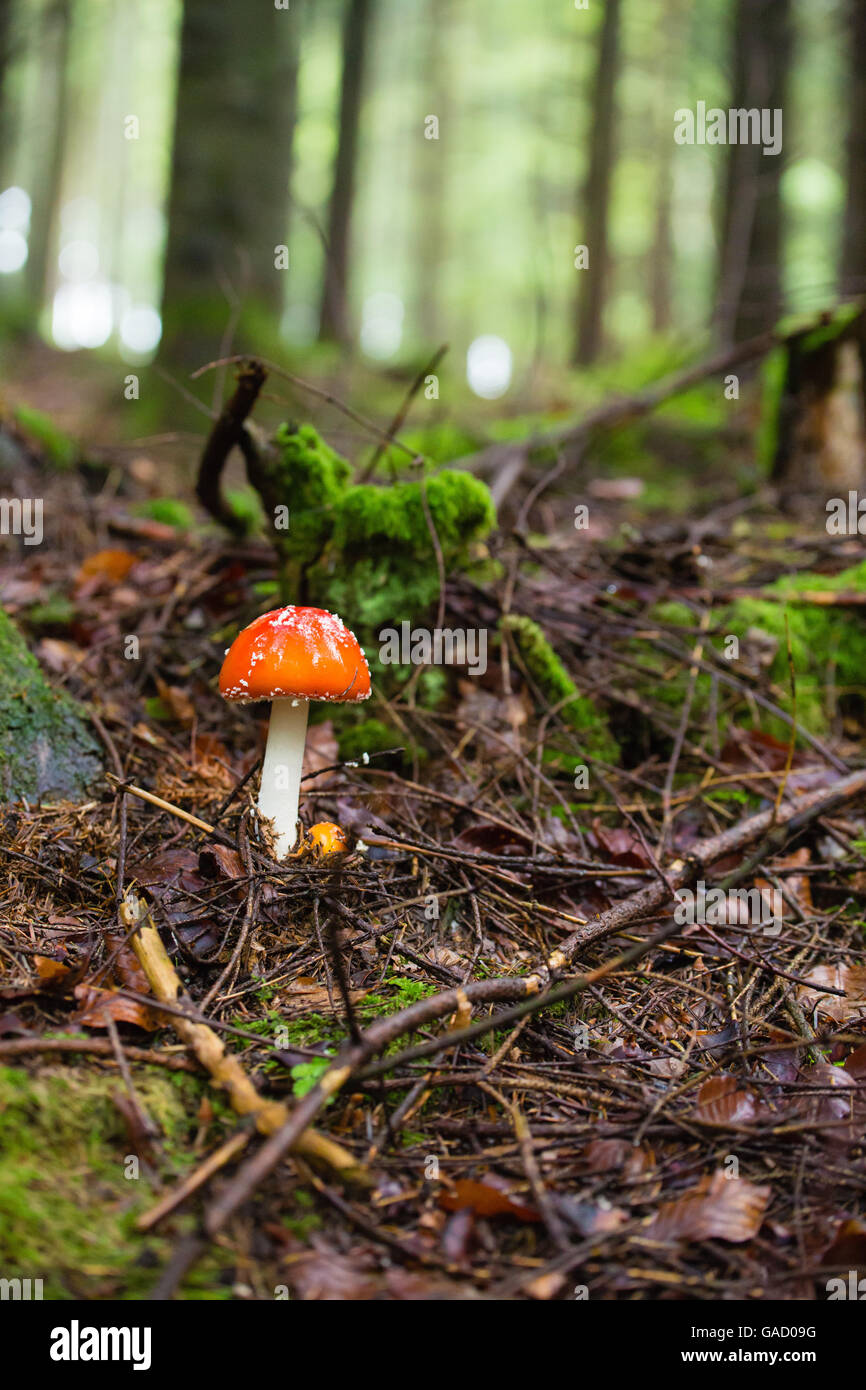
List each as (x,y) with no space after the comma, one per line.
(46,747)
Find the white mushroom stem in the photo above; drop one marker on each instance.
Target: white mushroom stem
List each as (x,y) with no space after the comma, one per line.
(280,790)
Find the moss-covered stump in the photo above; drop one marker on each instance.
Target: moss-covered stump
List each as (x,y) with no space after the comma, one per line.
(46,748)
(362,548)
(813,431)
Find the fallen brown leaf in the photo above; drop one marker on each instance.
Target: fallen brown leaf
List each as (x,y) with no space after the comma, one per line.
(320,751)
(605,1155)
(218,861)
(51,972)
(178,701)
(848,1245)
(486,838)
(621,845)
(722,1103)
(850,978)
(95,1002)
(109,564)
(718,1208)
(545,1286)
(326,1276)
(798,886)
(485,1198)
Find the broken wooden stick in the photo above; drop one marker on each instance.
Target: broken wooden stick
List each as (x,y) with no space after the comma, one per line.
(224,1068)
(155,800)
(190,1184)
(622,410)
(229,431)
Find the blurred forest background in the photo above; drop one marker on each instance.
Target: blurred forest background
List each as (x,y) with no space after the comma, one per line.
(387,199)
(347,185)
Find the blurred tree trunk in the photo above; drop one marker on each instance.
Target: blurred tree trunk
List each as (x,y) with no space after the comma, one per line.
(662,252)
(595,197)
(431,182)
(853,278)
(749,296)
(334,313)
(229,200)
(666,74)
(5,41)
(5,58)
(45,187)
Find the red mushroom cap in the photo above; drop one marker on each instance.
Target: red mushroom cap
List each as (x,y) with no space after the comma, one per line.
(299,653)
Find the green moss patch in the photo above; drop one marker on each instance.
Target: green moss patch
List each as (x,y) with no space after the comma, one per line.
(556,685)
(366,549)
(828,643)
(67,1206)
(57,446)
(828,646)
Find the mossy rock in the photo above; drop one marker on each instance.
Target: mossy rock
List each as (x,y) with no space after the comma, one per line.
(46,748)
(311,479)
(167,510)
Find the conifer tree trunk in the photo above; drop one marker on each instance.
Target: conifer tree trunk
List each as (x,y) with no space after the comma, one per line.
(749,298)
(431,174)
(229,199)
(853,277)
(45,190)
(595,198)
(334,313)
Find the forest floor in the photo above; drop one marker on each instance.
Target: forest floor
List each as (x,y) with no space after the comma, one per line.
(546,1085)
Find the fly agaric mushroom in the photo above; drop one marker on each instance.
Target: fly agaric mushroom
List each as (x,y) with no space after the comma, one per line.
(326,838)
(291,656)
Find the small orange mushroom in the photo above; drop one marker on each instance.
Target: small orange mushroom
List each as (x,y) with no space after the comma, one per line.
(327,838)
